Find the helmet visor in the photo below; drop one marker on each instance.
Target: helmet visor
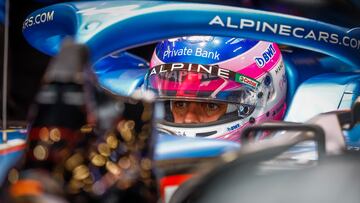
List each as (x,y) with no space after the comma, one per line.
(179,81)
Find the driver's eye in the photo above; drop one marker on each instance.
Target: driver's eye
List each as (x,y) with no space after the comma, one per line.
(212,106)
(180,104)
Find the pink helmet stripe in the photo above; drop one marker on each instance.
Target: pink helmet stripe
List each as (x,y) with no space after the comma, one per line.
(253,70)
(245,59)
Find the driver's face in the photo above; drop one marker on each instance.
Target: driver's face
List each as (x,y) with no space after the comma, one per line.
(197,112)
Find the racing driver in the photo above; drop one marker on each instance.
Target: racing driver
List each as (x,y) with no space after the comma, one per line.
(215,86)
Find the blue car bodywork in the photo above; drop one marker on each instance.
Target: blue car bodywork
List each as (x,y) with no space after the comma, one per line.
(321,60)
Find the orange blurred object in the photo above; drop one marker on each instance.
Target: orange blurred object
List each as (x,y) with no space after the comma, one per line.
(26,188)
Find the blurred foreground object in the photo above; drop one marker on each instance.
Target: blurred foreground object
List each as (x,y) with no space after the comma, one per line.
(90,146)
(59,111)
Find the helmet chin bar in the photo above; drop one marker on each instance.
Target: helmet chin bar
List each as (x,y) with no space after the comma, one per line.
(218,129)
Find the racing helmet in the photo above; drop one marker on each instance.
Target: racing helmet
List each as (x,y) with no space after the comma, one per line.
(248,75)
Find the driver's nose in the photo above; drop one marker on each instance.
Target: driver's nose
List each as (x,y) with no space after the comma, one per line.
(192,115)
